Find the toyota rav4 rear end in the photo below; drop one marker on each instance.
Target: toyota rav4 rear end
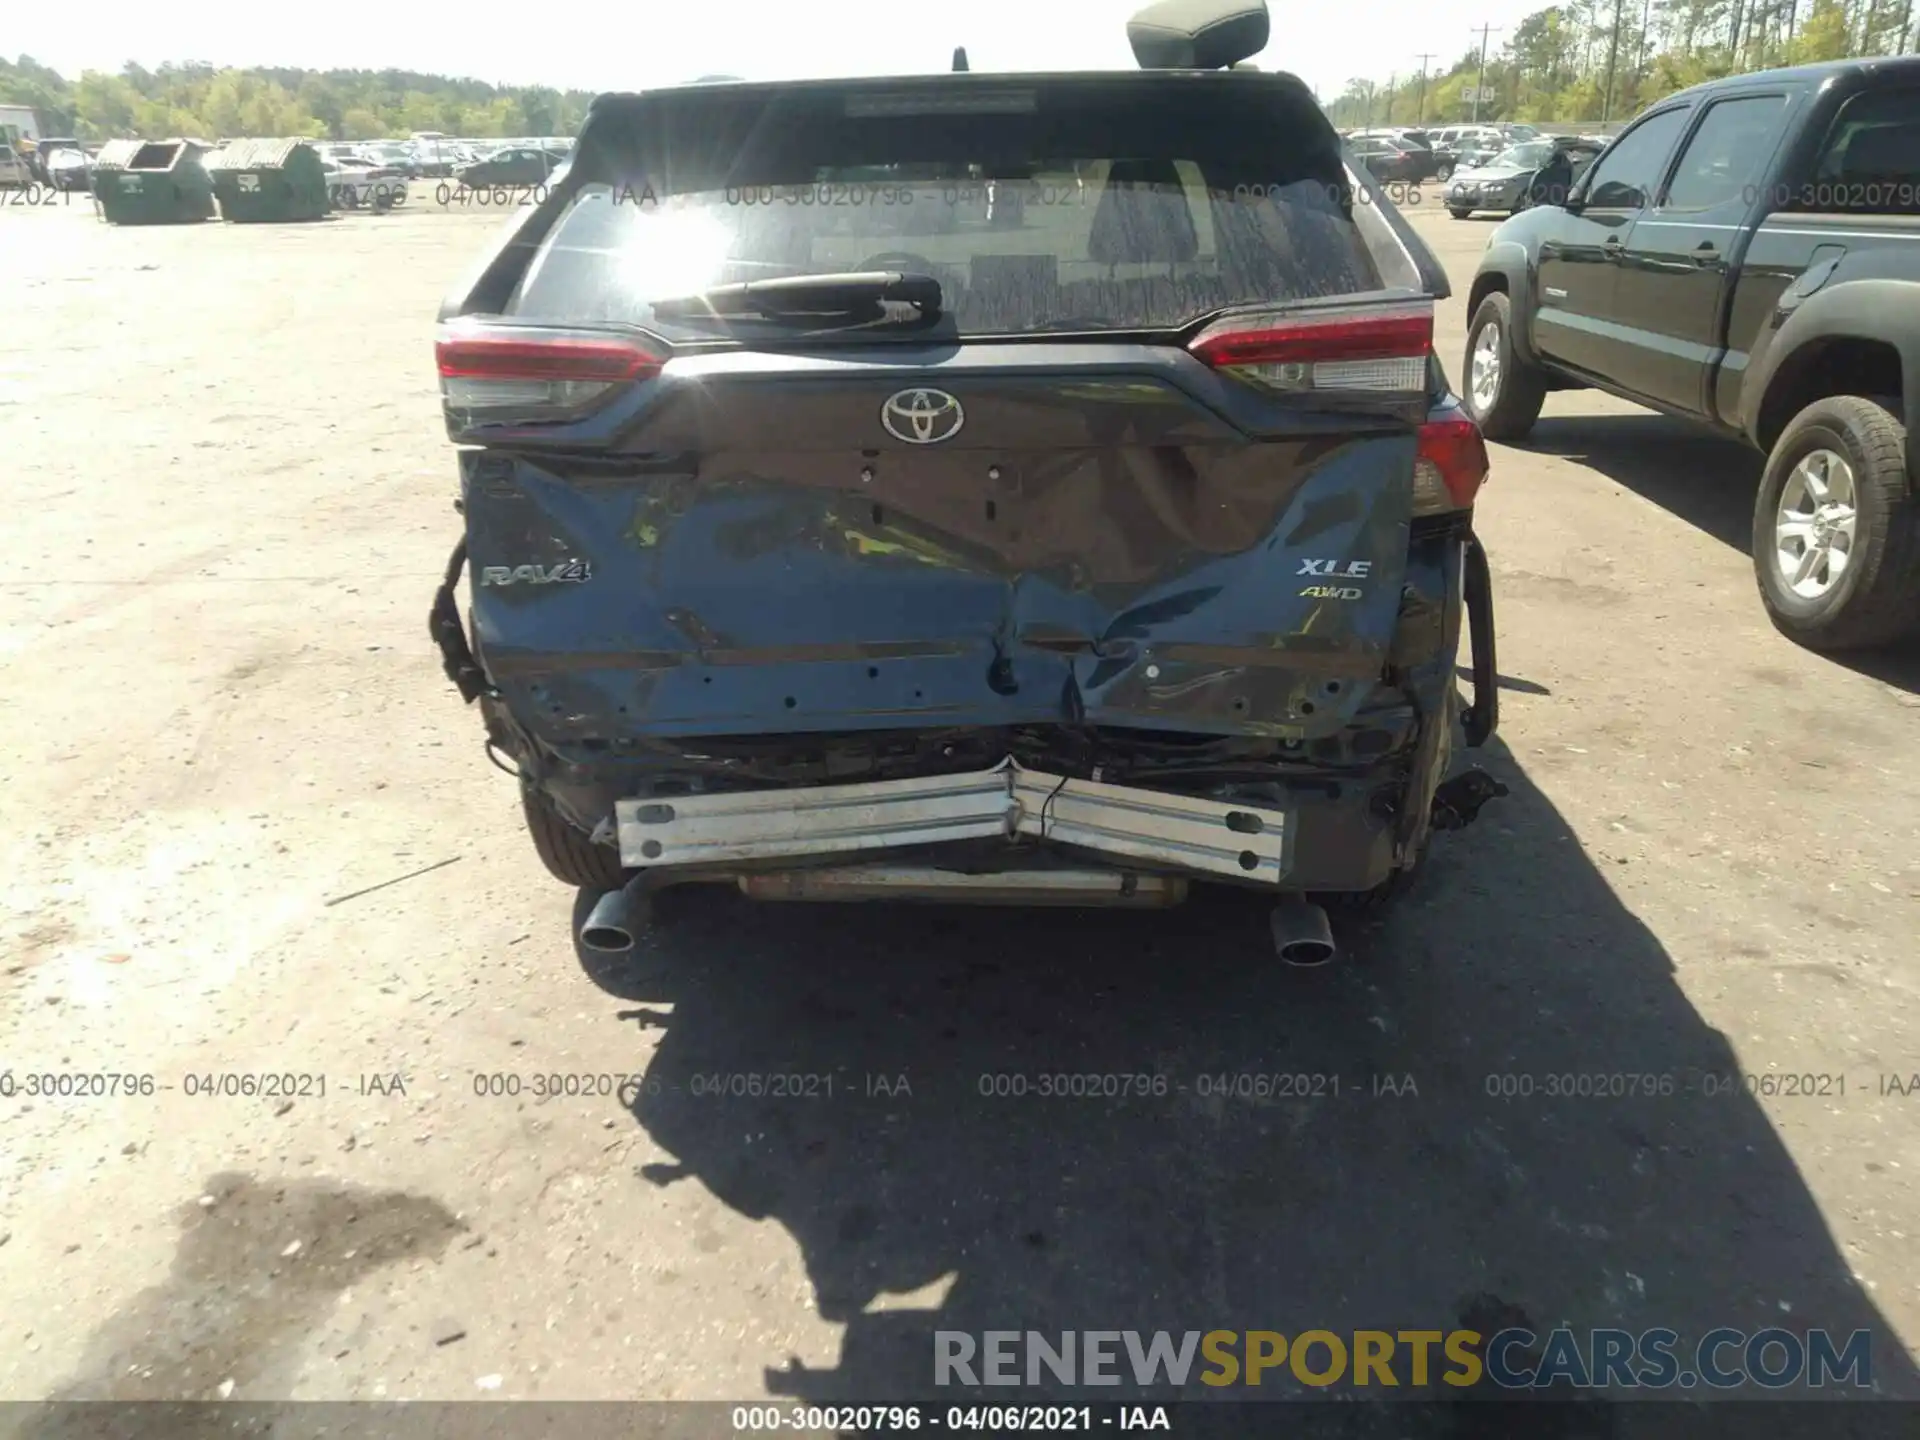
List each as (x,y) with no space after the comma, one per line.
(1030,489)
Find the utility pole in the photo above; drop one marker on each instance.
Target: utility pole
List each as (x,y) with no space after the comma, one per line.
(1420,114)
(1613,54)
(1481,84)
(1390,80)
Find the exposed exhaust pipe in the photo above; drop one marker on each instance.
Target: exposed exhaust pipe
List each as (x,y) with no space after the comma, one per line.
(614,921)
(1301,933)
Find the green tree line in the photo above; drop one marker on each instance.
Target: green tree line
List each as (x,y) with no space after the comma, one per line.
(1604,60)
(202,100)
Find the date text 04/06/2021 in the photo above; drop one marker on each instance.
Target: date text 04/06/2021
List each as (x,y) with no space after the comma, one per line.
(990,1419)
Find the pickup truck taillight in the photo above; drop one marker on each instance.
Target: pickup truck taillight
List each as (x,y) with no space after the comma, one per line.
(1451,464)
(523,375)
(1378,348)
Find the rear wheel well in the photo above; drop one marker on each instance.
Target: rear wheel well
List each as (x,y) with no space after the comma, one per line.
(1842,365)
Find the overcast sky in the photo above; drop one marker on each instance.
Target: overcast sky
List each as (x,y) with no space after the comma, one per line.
(631,44)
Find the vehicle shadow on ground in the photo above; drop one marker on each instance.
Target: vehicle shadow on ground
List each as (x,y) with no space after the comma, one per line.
(1706,480)
(1514,961)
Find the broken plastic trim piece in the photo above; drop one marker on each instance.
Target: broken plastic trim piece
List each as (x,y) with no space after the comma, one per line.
(443,624)
(1181,832)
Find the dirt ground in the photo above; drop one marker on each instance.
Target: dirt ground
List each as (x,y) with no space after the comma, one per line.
(227,499)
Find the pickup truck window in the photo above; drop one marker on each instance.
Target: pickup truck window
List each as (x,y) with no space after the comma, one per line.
(1722,161)
(1870,163)
(1625,176)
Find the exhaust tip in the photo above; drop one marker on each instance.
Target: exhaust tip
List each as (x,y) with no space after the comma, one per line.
(1302,935)
(608,928)
(1307,954)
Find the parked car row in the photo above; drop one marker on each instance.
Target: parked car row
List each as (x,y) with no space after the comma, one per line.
(512,162)
(369,173)
(1414,153)
(1533,172)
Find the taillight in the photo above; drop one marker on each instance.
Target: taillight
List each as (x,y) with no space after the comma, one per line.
(523,375)
(1450,466)
(1372,348)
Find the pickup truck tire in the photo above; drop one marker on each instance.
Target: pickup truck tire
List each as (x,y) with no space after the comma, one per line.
(565,850)
(1842,444)
(1505,394)
(1458,213)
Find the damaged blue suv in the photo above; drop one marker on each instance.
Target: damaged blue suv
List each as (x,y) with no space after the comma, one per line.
(1030,489)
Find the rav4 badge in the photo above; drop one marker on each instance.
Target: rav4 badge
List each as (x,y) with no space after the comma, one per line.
(567,572)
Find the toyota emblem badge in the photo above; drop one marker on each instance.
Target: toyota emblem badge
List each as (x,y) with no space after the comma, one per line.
(922,417)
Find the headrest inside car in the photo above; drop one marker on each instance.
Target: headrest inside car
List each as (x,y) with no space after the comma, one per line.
(1883,150)
(1142,218)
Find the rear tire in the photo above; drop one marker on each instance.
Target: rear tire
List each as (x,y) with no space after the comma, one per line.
(1504,392)
(1840,447)
(567,852)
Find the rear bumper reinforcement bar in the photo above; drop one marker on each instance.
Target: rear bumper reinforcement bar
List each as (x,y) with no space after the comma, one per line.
(1178,832)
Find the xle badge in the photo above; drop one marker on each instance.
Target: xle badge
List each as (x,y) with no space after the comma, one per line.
(567,572)
(1352,570)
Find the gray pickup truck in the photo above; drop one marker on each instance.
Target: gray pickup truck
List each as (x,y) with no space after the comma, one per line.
(1746,254)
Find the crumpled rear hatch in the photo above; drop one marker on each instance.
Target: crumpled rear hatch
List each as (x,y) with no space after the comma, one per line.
(1153,464)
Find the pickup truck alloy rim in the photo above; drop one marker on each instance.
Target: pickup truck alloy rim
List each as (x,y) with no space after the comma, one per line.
(1814,527)
(1484,373)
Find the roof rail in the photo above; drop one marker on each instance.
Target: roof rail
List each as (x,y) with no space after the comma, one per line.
(1198,34)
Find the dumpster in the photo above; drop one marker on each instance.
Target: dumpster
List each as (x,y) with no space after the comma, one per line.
(152,182)
(262,180)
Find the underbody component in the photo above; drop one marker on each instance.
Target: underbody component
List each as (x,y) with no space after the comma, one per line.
(1457,802)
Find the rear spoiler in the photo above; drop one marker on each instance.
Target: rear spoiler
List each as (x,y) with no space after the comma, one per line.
(1198,34)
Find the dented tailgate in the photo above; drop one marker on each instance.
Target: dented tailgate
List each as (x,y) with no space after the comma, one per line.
(1121,537)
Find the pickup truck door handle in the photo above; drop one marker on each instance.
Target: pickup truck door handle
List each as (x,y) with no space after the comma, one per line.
(1704,253)
(1611,244)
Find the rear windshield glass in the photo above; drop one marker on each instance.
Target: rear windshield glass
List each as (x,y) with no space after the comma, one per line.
(1870,164)
(1061,206)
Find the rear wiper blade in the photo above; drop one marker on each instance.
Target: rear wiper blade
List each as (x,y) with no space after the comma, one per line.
(850,296)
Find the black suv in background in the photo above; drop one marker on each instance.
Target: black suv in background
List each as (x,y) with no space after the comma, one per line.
(515,165)
(1010,488)
(1747,255)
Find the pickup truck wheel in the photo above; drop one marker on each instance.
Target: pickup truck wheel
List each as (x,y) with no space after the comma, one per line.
(1836,528)
(1504,392)
(1458,213)
(565,850)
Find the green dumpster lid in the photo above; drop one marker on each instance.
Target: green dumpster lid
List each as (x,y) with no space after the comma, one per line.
(147,154)
(115,154)
(254,154)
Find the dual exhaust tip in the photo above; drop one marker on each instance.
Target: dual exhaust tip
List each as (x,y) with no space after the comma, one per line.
(615,922)
(1302,935)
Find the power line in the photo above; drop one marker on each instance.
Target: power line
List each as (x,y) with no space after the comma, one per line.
(1481,84)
